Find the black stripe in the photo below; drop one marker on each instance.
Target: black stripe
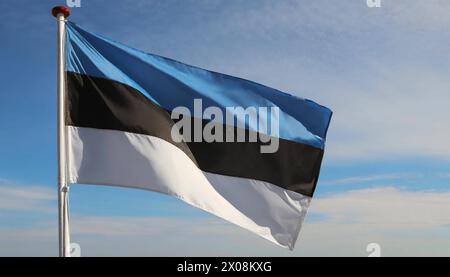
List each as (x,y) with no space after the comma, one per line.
(105,104)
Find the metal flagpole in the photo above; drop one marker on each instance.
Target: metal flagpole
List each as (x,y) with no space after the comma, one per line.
(61,13)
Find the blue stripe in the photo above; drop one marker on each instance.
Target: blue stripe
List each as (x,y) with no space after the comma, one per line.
(169,84)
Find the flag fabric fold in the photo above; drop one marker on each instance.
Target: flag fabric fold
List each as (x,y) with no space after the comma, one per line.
(119,124)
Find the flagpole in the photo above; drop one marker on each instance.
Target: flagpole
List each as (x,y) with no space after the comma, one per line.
(61,13)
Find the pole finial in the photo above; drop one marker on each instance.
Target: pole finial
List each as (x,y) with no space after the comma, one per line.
(61,10)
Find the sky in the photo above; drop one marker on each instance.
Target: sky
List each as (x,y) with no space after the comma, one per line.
(383,71)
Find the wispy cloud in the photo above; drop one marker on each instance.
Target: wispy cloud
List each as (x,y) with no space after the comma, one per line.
(389,207)
(413,223)
(369,178)
(147,226)
(26,198)
(445,175)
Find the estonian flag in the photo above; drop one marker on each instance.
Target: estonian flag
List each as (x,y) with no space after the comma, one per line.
(120,124)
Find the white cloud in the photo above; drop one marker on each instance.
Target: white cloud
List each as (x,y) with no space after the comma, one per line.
(405,115)
(26,198)
(445,175)
(428,15)
(403,222)
(388,207)
(145,226)
(412,223)
(370,178)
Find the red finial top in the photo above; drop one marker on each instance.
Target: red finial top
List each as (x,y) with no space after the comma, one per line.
(61,10)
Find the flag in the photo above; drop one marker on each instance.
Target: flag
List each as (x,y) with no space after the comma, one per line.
(239,150)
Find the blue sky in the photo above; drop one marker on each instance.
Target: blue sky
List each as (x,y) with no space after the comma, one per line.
(383,71)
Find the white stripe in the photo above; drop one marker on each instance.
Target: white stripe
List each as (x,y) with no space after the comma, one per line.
(133,160)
